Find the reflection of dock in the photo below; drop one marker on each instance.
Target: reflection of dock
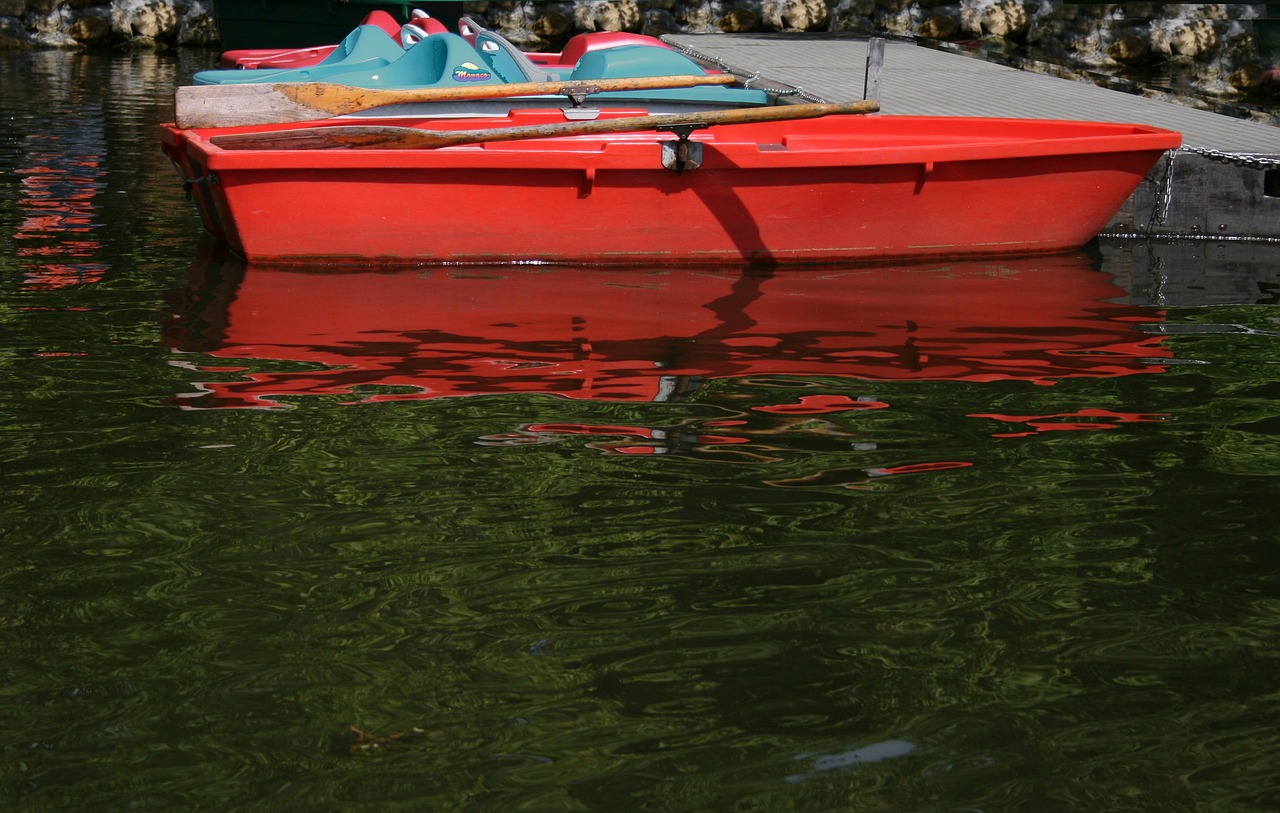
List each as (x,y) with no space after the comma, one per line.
(1225,181)
(257,334)
(1194,273)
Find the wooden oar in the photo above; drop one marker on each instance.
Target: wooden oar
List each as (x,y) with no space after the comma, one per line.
(238,105)
(367,136)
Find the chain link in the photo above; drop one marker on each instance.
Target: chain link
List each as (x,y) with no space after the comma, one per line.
(1164,195)
(751,80)
(1164,187)
(1235,158)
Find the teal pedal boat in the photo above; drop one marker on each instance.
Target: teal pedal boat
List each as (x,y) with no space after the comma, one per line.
(371,58)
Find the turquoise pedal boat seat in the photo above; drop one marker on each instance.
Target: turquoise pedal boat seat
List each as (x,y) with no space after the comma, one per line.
(366,47)
(440,60)
(631,61)
(509,62)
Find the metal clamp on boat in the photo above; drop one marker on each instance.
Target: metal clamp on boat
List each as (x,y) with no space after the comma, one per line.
(682,153)
(577,94)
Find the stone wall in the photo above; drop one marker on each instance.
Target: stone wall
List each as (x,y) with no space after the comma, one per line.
(1210,47)
(151,24)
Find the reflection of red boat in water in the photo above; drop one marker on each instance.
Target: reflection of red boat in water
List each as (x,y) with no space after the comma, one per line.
(59,186)
(644,335)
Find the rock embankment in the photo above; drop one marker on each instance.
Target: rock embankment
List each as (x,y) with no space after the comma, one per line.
(1210,46)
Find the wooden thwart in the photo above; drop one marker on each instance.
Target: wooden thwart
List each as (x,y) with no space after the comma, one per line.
(375,136)
(239,105)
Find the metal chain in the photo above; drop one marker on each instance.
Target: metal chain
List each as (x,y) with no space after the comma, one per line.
(1164,195)
(1164,187)
(750,80)
(1235,158)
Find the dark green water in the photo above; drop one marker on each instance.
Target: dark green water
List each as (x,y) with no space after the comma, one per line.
(998,537)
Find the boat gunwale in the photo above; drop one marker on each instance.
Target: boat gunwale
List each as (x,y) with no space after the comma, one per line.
(739,146)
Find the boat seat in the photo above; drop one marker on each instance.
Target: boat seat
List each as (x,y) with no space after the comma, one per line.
(439,60)
(420,26)
(364,43)
(383,20)
(580,44)
(629,61)
(367,47)
(467,29)
(503,58)
(253,58)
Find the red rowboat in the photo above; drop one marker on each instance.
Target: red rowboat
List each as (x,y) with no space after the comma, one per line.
(833,189)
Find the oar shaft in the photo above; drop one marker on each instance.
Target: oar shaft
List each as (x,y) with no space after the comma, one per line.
(638,123)
(365,98)
(374,136)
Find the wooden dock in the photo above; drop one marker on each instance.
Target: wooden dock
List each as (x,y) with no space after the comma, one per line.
(1224,182)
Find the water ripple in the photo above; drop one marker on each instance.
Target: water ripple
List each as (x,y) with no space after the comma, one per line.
(914,539)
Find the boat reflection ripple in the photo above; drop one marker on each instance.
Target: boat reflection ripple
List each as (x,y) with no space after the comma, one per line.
(784,363)
(263,336)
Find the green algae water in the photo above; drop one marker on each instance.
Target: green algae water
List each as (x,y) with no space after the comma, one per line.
(972,536)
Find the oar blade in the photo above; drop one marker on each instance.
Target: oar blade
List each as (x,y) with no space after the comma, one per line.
(325,138)
(240,106)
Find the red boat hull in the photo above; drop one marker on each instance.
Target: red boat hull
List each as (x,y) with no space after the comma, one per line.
(838,189)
